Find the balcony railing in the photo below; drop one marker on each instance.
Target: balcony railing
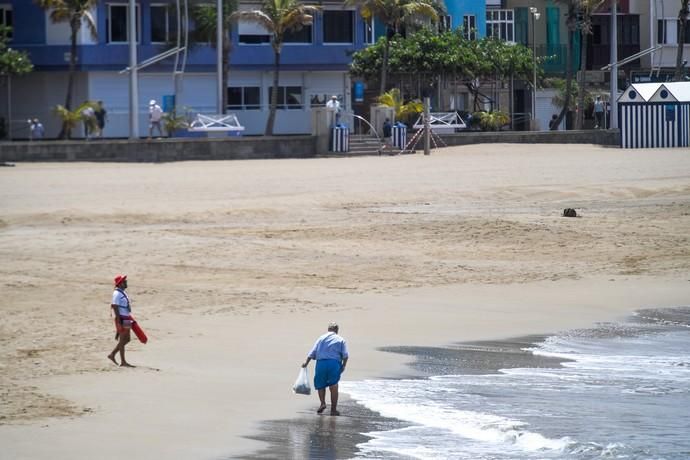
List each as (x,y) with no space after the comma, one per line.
(597,56)
(600,55)
(554,58)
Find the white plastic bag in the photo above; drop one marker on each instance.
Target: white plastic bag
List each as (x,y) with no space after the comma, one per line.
(302,386)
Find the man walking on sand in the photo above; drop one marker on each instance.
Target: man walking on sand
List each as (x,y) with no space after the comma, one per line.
(330,353)
(123,319)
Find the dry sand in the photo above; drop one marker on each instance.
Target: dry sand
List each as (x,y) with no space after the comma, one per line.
(235,268)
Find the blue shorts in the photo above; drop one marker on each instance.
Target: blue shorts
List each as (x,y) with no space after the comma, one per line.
(327,373)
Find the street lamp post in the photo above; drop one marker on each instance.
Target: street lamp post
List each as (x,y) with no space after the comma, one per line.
(535,17)
(613,115)
(133,76)
(219,56)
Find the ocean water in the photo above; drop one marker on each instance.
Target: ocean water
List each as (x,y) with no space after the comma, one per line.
(618,390)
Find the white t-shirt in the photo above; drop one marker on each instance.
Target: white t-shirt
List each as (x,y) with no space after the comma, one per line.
(333,104)
(155,112)
(122,301)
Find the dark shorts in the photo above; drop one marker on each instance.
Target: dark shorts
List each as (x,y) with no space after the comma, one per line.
(327,373)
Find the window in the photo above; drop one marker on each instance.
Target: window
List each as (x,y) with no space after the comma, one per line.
(300,36)
(289,97)
(6,17)
(668,31)
(445,23)
(338,26)
(160,24)
(469,27)
(598,37)
(662,36)
(244,98)
(687,33)
(251,33)
(369,32)
(500,24)
(629,30)
(117,24)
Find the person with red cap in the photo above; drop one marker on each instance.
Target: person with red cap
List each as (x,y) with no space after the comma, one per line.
(123,319)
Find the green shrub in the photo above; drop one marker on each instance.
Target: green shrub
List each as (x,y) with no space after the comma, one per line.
(491,121)
(174,121)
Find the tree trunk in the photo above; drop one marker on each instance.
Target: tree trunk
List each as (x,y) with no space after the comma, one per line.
(274,96)
(511,103)
(683,21)
(226,68)
(75,24)
(384,67)
(582,81)
(568,80)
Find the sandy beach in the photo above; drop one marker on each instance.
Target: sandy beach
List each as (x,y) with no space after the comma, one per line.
(236,267)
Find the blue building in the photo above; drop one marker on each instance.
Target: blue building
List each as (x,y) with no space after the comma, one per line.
(470,15)
(314,63)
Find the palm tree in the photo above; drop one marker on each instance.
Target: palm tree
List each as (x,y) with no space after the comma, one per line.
(587,8)
(278,17)
(683,23)
(75,12)
(12,62)
(403,110)
(72,118)
(393,13)
(205,20)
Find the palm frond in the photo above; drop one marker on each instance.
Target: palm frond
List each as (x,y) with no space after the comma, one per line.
(420,9)
(256,17)
(91,24)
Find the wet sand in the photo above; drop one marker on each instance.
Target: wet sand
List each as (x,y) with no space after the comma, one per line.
(236,267)
(307,436)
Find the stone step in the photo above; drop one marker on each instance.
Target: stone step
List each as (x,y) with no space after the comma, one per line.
(366,145)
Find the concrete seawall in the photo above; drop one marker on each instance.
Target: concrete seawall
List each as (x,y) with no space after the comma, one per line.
(609,137)
(161,150)
(244,148)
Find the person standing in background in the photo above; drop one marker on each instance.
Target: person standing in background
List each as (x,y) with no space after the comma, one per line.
(155,116)
(387,133)
(333,107)
(100,117)
(598,113)
(88,116)
(36,130)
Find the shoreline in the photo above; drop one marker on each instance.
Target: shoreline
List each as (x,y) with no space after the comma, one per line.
(232,423)
(236,267)
(338,438)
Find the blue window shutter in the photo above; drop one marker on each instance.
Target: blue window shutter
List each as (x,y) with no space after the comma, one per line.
(379,29)
(553,28)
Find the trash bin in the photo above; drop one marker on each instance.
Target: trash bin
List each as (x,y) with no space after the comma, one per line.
(399,133)
(340,139)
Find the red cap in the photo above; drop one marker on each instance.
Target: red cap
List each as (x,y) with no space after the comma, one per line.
(119,279)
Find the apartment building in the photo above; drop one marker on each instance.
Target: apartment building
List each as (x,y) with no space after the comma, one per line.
(314,61)
(663,30)
(641,24)
(314,65)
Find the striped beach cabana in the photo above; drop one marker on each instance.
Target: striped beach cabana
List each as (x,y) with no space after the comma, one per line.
(655,115)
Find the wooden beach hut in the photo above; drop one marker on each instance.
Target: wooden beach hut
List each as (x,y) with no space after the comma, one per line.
(654,115)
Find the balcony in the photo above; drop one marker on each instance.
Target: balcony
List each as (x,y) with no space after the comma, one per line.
(600,55)
(555,55)
(597,57)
